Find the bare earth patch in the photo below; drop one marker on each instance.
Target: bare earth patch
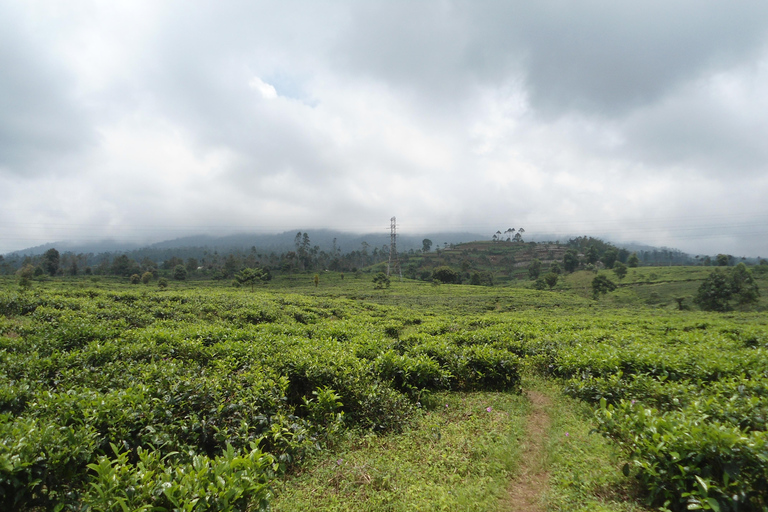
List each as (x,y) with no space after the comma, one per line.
(526,489)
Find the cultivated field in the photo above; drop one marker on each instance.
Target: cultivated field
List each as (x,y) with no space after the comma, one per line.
(416,397)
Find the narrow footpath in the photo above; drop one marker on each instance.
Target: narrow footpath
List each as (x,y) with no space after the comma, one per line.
(527,488)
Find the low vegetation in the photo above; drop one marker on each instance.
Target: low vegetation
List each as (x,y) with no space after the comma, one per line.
(332,392)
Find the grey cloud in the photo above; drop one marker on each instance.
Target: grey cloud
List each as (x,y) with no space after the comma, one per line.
(439,112)
(41,120)
(602,57)
(610,57)
(699,134)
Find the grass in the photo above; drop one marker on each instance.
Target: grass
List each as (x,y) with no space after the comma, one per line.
(462,457)
(458,455)
(584,467)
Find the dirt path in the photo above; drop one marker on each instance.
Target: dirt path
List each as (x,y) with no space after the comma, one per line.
(526,489)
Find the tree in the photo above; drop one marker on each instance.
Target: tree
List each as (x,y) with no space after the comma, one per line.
(123,266)
(623,255)
(231,264)
(135,279)
(551,279)
(722,260)
(743,285)
(556,268)
(26,273)
(571,260)
(297,241)
(620,269)
(482,278)
(633,261)
(534,269)
(426,245)
(602,285)
(192,265)
(250,276)
(592,255)
(146,277)
(714,293)
(609,257)
(51,260)
(162,283)
(180,273)
(380,281)
(316,280)
(445,274)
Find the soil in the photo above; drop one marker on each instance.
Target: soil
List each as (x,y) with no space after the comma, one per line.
(526,490)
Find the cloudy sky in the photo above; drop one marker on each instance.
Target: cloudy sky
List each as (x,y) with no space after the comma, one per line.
(144,120)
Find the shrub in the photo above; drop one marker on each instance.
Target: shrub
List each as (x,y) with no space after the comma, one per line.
(445,275)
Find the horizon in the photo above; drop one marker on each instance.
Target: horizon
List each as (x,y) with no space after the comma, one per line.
(117,246)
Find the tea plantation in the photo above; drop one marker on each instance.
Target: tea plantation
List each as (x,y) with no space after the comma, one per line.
(197,397)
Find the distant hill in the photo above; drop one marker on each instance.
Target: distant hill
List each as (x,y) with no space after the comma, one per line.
(279,242)
(198,245)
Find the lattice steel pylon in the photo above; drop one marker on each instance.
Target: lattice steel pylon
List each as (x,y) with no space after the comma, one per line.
(394,261)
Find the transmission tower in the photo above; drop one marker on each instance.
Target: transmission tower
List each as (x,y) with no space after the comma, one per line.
(394,262)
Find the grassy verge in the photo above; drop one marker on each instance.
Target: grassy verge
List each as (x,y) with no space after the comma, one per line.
(458,455)
(463,457)
(584,467)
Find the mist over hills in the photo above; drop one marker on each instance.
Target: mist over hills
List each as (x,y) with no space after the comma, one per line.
(325,239)
(278,242)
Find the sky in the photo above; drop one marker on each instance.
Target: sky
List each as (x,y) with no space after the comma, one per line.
(141,121)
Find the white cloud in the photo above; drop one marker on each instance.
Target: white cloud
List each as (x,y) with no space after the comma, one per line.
(266,90)
(142,120)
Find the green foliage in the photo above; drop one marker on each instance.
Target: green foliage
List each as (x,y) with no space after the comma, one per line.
(633,261)
(446,275)
(551,279)
(135,279)
(602,285)
(715,293)
(685,399)
(481,279)
(180,272)
(162,283)
(571,260)
(534,269)
(592,255)
(743,285)
(228,482)
(458,456)
(620,270)
(184,374)
(251,276)
(610,256)
(50,263)
(381,281)
(26,274)
(146,277)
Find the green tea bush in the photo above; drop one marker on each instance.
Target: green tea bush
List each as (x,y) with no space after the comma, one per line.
(231,481)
